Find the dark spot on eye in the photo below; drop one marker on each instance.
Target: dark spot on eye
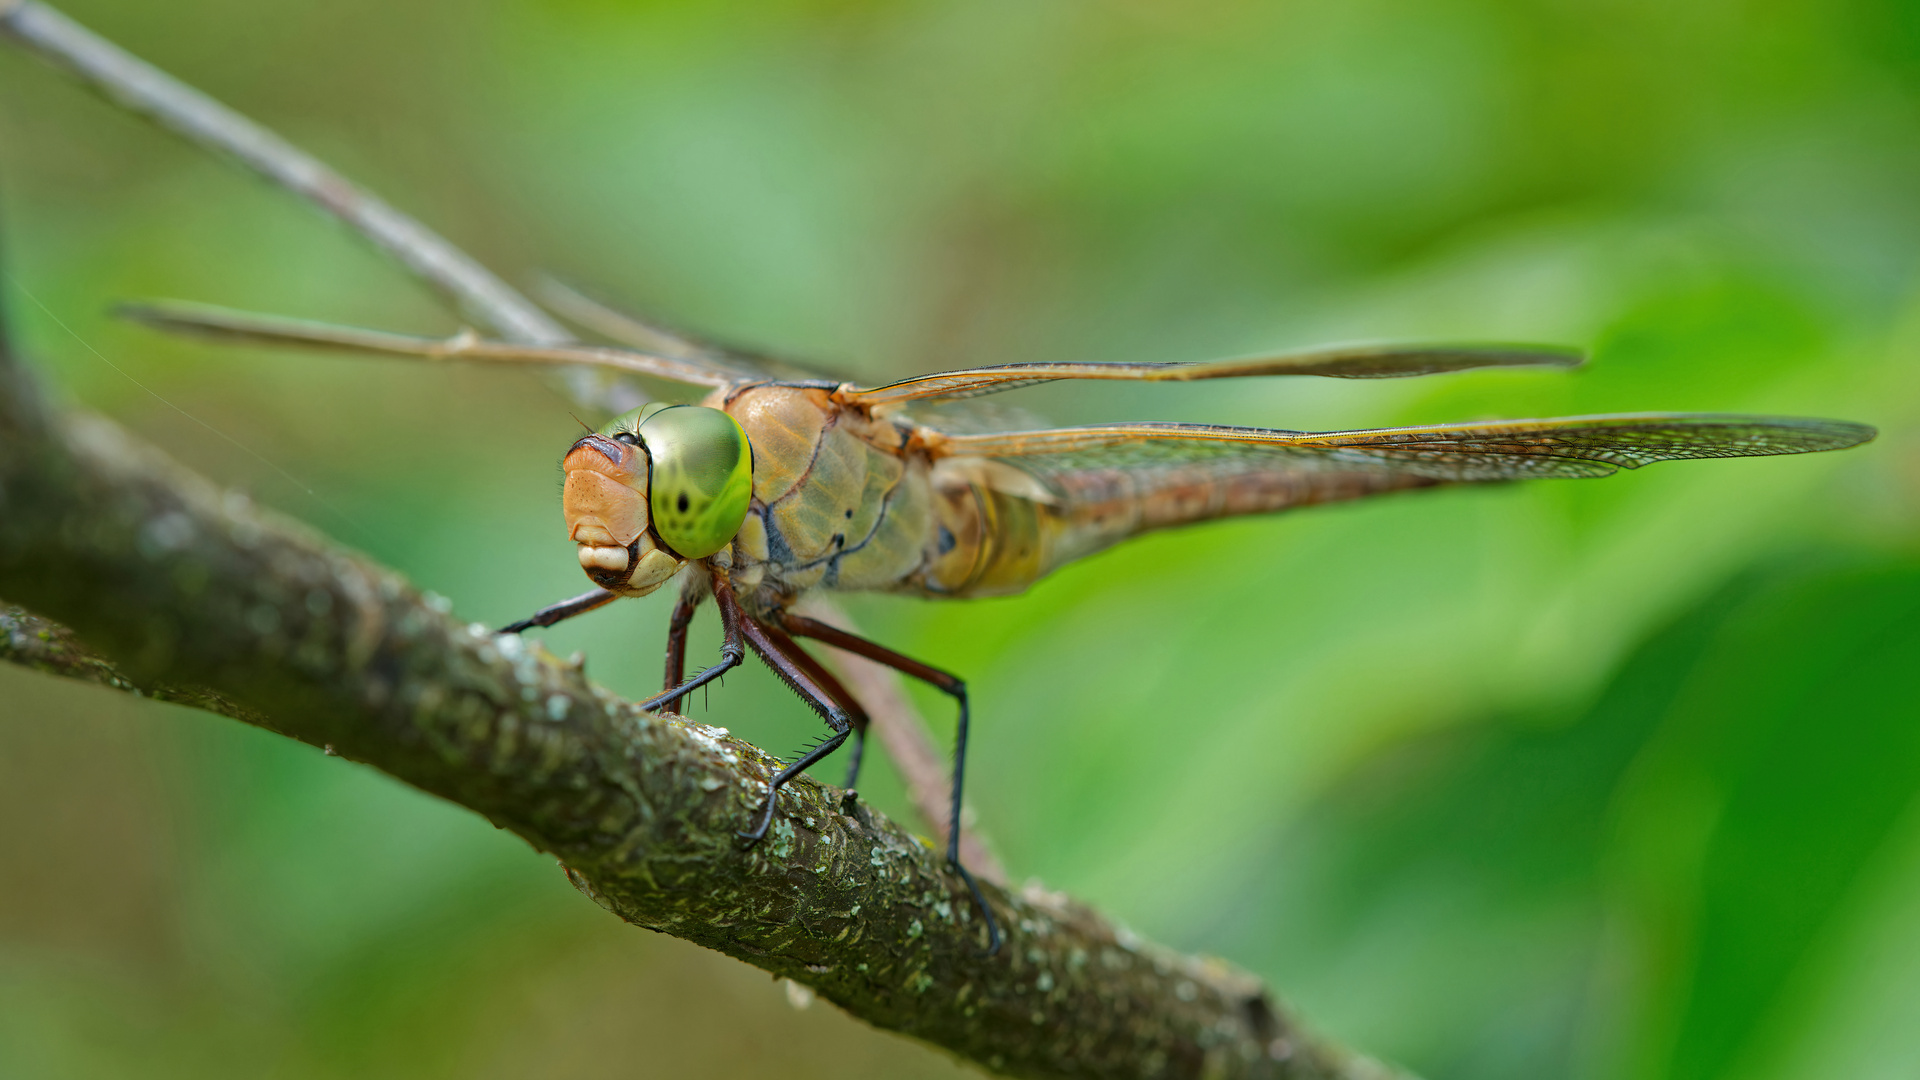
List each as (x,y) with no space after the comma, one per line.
(682,504)
(627,437)
(946,540)
(849,513)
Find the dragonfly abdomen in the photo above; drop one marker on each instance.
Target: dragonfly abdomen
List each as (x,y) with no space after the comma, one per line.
(1002,528)
(1101,507)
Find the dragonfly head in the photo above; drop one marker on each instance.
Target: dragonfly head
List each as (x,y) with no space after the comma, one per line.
(656,487)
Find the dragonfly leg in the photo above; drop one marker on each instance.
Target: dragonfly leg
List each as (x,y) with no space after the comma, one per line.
(677,635)
(731,651)
(759,831)
(805,677)
(852,797)
(946,682)
(835,689)
(565,609)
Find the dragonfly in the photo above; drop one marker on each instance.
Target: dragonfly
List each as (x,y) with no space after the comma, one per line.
(776,482)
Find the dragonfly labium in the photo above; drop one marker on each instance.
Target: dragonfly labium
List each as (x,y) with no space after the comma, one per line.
(774,484)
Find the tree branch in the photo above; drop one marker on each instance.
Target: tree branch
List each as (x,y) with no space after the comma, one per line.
(30,641)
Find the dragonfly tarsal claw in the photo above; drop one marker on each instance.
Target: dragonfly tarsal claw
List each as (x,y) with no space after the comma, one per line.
(759,831)
(979,904)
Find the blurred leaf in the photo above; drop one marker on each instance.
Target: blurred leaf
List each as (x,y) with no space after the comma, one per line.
(1803,721)
(1502,859)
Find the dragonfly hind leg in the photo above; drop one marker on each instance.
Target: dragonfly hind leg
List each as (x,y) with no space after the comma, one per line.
(817,687)
(949,684)
(836,690)
(852,786)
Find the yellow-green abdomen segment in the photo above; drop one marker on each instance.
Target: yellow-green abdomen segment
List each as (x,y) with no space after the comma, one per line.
(987,542)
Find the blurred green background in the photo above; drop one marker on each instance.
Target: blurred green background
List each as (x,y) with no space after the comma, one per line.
(1607,779)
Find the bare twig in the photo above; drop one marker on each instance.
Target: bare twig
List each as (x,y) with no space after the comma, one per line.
(143,89)
(43,645)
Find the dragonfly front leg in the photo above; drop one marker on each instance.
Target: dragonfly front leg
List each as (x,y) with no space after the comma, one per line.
(565,609)
(946,682)
(731,650)
(677,625)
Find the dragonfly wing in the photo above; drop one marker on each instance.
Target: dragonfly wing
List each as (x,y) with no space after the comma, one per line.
(1454,453)
(652,336)
(201,320)
(1338,361)
(1104,483)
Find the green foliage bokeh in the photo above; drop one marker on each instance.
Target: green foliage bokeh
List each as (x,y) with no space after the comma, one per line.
(1604,779)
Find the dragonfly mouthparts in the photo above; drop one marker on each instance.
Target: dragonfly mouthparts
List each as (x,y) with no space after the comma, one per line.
(606,447)
(608,558)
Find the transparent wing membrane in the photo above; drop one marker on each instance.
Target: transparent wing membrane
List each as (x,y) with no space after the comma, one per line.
(1575,446)
(1340,362)
(664,353)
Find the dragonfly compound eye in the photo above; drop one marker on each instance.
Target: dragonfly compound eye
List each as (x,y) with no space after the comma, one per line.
(702,477)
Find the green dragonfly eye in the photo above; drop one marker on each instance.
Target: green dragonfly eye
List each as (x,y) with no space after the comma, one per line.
(702,476)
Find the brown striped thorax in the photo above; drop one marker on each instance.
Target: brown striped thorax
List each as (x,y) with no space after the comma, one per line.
(849,498)
(840,500)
